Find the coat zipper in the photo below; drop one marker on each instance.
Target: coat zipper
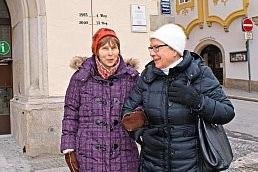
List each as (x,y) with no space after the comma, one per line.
(167,81)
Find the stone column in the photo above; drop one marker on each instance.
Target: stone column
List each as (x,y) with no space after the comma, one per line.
(35,117)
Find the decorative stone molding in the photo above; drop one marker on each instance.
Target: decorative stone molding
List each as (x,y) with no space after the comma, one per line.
(212,41)
(225,23)
(223,1)
(204,15)
(183,7)
(198,21)
(29,39)
(35,117)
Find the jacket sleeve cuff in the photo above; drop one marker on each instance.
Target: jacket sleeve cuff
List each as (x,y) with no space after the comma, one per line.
(67,142)
(67,150)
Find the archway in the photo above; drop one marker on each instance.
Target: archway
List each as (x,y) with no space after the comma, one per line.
(213,58)
(28,21)
(206,48)
(30,77)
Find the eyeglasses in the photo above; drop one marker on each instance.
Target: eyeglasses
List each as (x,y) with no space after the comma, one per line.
(156,48)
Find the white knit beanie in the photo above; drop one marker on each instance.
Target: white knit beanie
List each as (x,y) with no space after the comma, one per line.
(172,35)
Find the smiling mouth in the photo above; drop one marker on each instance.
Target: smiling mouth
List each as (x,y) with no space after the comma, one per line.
(156,60)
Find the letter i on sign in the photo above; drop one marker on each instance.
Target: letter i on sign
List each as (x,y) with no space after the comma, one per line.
(2,47)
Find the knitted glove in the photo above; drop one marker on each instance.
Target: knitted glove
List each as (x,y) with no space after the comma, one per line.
(71,161)
(134,120)
(185,95)
(152,138)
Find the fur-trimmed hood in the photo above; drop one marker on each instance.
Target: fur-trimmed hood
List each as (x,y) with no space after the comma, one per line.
(77,61)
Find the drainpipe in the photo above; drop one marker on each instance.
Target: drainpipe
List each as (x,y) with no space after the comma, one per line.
(248,61)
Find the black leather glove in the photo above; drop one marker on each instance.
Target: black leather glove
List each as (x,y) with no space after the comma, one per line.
(137,135)
(152,138)
(185,95)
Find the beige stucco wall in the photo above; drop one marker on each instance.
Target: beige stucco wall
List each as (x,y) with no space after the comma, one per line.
(67,38)
(45,36)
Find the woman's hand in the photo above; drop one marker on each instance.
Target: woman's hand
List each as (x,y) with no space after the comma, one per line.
(134,120)
(185,95)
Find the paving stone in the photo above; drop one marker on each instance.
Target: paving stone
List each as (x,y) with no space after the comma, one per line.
(12,159)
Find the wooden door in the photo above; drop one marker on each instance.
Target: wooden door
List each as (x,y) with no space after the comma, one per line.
(213,58)
(5,96)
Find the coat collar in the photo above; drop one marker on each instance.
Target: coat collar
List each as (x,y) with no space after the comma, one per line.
(189,65)
(88,69)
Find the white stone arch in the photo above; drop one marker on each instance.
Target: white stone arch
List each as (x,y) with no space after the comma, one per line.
(31,105)
(28,20)
(198,49)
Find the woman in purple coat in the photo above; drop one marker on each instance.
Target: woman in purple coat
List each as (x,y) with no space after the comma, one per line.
(93,139)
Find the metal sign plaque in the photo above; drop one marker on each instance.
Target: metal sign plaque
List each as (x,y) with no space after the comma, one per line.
(4,48)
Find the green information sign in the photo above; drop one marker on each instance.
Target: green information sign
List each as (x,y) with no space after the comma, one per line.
(4,48)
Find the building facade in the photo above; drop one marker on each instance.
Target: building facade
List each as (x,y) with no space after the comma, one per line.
(214,30)
(38,38)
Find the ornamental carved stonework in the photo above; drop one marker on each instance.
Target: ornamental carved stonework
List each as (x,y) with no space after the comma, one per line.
(184,7)
(223,1)
(206,16)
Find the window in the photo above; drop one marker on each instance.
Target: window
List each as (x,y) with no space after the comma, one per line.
(184,1)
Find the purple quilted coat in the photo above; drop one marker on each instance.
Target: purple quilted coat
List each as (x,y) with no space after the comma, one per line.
(92,114)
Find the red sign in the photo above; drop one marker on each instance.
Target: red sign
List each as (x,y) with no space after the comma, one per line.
(247,25)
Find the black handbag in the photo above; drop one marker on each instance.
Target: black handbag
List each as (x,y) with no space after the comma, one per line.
(214,144)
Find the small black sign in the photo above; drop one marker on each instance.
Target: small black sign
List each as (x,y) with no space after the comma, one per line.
(240,56)
(165,6)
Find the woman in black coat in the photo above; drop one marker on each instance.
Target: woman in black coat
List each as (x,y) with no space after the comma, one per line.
(172,89)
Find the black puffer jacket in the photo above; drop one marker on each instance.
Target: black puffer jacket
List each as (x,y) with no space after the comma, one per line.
(176,123)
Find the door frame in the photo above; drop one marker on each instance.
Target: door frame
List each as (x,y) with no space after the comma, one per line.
(5,123)
(198,49)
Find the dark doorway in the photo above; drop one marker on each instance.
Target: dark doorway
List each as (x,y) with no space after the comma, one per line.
(6,83)
(213,58)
